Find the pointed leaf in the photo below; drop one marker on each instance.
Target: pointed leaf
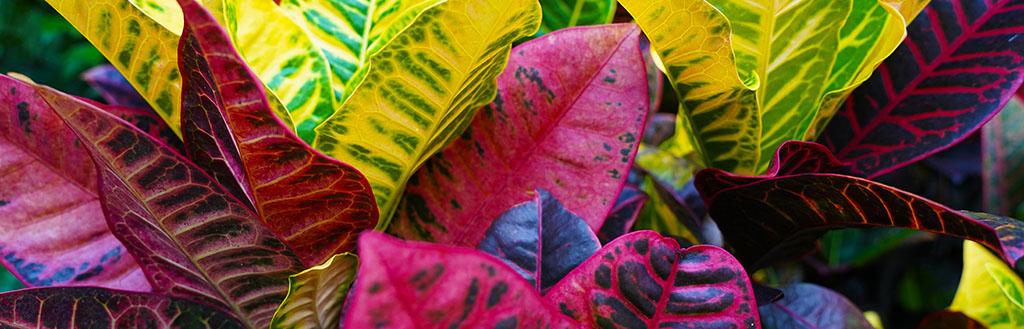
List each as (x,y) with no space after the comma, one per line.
(643,280)
(808,306)
(49,181)
(416,100)
(316,295)
(421,285)
(949,320)
(113,87)
(191,238)
(89,307)
(541,240)
(989,291)
(560,14)
(784,212)
(315,203)
(962,61)
(575,118)
(622,217)
(1003,155)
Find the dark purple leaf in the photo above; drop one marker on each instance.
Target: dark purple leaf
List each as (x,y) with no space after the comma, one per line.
(624,214)
(807,306)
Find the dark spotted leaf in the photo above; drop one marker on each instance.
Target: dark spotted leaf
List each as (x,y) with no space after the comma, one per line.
(568,117)
(47,181)
(541,240)
(643,280)
(961,61)
(315,203)
(423,285)
(145,119)
(620,221)
(808,306)
(949,320)
(89,307)
(785,211)
(114,88)
(191,238)
(1003,154)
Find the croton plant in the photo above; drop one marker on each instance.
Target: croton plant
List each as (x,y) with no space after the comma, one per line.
(503,163)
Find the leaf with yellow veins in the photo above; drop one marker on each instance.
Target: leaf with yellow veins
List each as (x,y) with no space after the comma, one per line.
(316,295)
(989,290)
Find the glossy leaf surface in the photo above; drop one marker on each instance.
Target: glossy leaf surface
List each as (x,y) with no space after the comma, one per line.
(421,285)
(316,295)
(567,119)
(48,181)
(622,217)
(809,306)
(113,86)
(643,280)
(800,198)
(560,14)
(192,239)
(1003,156)
(416,100)
(89,307)
(316,204)
(962,61)
(541,240)
(989,291)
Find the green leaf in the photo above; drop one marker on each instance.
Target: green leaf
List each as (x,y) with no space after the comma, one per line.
(989,291)
(316,295)
(416,99)
(856,247)
(1003,156)
(560,14)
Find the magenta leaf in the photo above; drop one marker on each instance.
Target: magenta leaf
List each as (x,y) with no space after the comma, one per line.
(191,238)
(568,117)
(315,203)
(644,280)
(785,211)
(423,285)
(808,306)
(89,307)
(623,215)
(52,227)
(114,88)
(541,240)
(960,63)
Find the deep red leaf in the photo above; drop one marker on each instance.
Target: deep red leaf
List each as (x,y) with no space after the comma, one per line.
(949,320)
(52,228)
(568,117)
(422,285)
(808,306)
(315,203)
(643,280)
(961,61)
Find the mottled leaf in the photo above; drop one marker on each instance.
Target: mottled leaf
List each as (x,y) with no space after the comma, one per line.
(949,320)
(416,100)
(113,87)
(574,118)
(421,285)
(644,280)
(622,217)
(145,119)
(962,61)
(785,211)
(316,204)
(1003,156)
(89,307)
(53,230)
(560,14)
(192,239)
(808,306)
(541,240)
(316,295)
(989,291)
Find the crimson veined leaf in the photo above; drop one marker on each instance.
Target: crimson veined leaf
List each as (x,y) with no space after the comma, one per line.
(145,119)
(802,196)
(422,285)
(316,204)
(541,240)
(961,62)
(1003,154)
(809,306)
(49,181)
(568,118)
(644,280)
(89,307)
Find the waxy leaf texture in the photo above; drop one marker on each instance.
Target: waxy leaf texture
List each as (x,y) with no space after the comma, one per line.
(316,295)
(989,292)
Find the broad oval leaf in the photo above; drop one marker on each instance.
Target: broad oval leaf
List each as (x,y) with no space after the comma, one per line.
(989,291)
(1003,156)
(316,204)
(415,100)
(560,14)
(421,285)
(89,307)
(809,306)
(49,181)
(571,105)
(192,239)
(962,61)
(316,295)
(784,212)
(644,280)
(541,240)
(622,217)
(113,87)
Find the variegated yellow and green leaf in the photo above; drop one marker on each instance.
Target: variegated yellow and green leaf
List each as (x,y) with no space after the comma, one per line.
(989,290)
(559,14)
(316,295)
(422,90)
